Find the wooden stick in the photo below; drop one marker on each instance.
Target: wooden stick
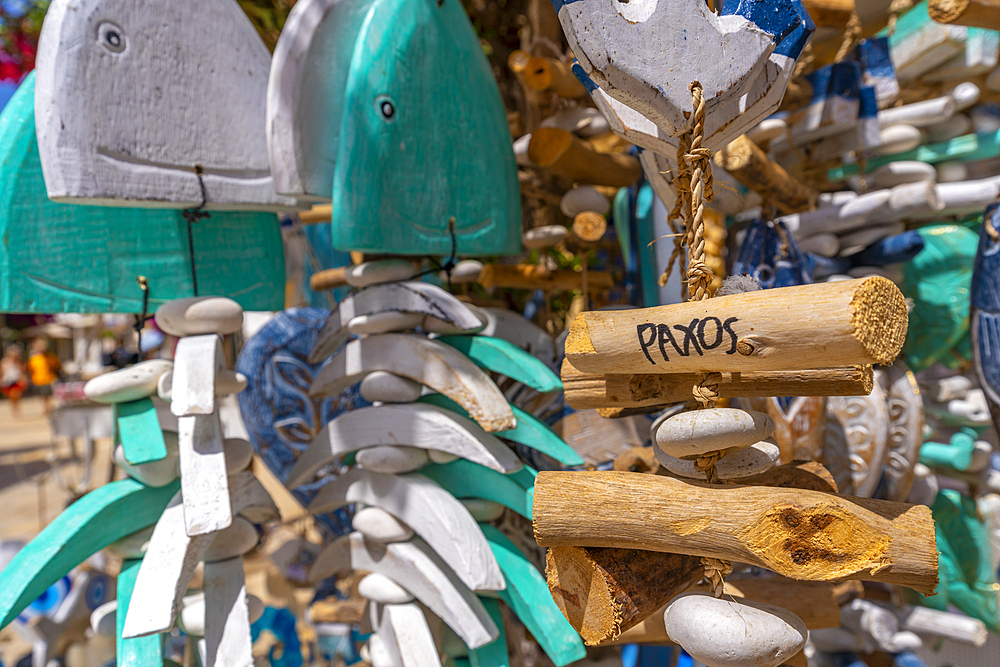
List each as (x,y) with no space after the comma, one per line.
(977,13)
(847,323)
(328,279)
(566,155)
(748,164)
(551,74)
(317,214)
(533,276)
(587,390)
(830,13)
(800,534)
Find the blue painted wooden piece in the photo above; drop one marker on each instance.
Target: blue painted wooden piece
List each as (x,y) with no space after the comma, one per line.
(417,149)
(134,651)
(85,259)
(787,21)
(773,259)
(281,417)
(890,250)
(985,312)
(505,358)
(139,432)
(877,70)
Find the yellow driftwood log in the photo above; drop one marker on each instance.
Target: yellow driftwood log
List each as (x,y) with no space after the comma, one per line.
(317,214)
(977,13)
(328,279)
(551,74)
(848,323)
(800,534)
(748,164)
(592,390)
(534,276)
(830,13)
(566,155)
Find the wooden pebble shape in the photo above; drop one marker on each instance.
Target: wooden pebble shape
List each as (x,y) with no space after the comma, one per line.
(728,633)
(583,198)
(200,315)
(376,323)
(388,387)
(127,384)
(380,588)
(192,617)
(229,382)
(482,509)
(377,524)
(438,326)
(238,453)
(392,459)
(158,473)
(543,237)
(826,245)
(236,540)
(131,546)
(437,456)
(753,460)
(381,271)
(699,431)
(465,272)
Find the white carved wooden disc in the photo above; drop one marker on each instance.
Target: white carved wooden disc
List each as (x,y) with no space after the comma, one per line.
(700,431)
(127,384)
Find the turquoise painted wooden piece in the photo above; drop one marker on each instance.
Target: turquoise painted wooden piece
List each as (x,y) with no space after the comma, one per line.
(493,654)
(957,455)
(967,148)
(503,357)
(525,477)
(530,431)
(99,518)
(965,570)
(422,145)
(134,651)
(528,596)
(937,280)
(465,479)
(85,259)
(139,432)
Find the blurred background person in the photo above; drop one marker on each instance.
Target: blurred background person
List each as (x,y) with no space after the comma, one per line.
(43,365)
(13,380)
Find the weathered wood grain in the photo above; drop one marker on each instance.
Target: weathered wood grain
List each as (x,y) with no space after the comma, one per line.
(534,276)
(749,165)
(566,155)
(977,13)
(799,534)
(204,478)
(405,633)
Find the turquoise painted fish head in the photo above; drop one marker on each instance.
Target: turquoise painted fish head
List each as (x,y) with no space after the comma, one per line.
(423,137)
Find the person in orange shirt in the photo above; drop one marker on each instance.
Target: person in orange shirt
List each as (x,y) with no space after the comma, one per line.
(44,368)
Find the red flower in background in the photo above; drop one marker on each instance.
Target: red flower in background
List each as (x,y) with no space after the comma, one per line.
(20,24)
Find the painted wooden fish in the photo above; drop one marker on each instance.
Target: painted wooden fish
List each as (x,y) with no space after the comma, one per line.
(85,259)
(771,255)
(131,96)
(985,311)
(390,109)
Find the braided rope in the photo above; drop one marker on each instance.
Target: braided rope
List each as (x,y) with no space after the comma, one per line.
(851,34)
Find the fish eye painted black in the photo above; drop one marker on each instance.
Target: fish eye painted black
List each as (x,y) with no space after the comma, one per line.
(385,107)
(111,38)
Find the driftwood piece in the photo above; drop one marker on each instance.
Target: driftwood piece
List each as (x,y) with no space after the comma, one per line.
(543,74)
(749,165)
(588,390)
(534,276)
(568,156)
(328,279)
(976,13)
(830,13)
(852,322)
(799,534)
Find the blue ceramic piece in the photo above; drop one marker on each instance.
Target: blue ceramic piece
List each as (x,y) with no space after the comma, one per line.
(985,311)
(772,257)
(893,249)
(280,415)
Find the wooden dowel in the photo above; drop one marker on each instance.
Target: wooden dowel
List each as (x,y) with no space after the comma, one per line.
(590,390)
(847,323)
(568,156)
(317,214)
(748,164)
(328,279)
(830,13)
(533,276)
(551,74)
(976,13)
(800,534)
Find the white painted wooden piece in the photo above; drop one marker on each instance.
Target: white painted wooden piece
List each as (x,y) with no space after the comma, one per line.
(909,200)
(826,245)
(631,125)
(767,130)
(583,198)
(433,513)
(335,558)
(926,48)
(417,568)
(434,364)
(919,114)
(582,121)
(437,456)
(380,588)
(200,315)
(483,510)
(127,384)
(925,486)
(203,474)
(197,361)
(238,453)
(412,424)
(896,173)
(951,172)
(544,237)
(385,322)
(465,272)
(103,619)
(379,653)
(755,459)
(949,625)
(405,630)
(196,95)
(956,126)
(238,539)
(865,236)
(879,625)
(700,431)
(435,325)
(227,616)
(378,525)
(191,618)
(380,271)
(414,297)
(392,459)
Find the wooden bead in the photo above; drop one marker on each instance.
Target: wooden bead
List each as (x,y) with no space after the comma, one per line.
(753,460)
(127,384)
(380,588)
(239,538)
(392,460)
(726,633)
(377,524)
(389,388)
(200,315)
(589,226)
(386,322)
(700,431)
(382,271)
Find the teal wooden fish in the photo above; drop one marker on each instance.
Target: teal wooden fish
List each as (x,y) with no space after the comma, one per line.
(389,108)
(85,259)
